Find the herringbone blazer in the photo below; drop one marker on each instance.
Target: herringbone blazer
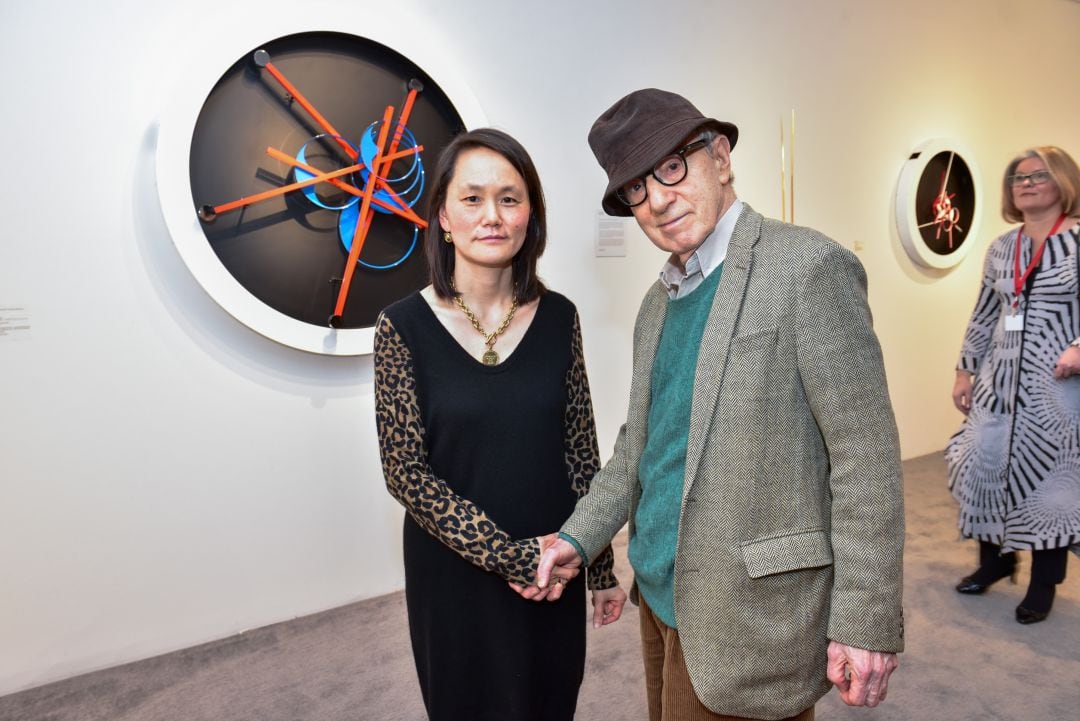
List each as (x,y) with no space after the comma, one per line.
(791,527)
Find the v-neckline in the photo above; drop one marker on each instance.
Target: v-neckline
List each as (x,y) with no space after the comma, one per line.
(506,360)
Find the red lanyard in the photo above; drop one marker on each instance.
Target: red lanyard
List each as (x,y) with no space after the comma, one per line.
(1020,280)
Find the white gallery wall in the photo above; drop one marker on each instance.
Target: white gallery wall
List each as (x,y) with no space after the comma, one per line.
(168,477)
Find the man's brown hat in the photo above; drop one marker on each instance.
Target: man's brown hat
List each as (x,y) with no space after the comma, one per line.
(635,133)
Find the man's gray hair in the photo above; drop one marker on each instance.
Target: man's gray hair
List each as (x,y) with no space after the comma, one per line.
(709,135)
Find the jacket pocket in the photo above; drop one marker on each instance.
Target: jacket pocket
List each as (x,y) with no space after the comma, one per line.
(764,338)
(787,552)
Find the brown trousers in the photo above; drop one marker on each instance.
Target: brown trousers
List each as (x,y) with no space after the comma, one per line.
(667,682)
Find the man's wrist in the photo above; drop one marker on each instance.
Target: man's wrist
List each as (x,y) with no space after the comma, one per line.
(577,547)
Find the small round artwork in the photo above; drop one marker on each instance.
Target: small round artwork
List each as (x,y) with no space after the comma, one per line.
(938,201)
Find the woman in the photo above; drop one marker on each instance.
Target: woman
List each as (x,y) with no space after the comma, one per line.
(486,433)
(1014,465)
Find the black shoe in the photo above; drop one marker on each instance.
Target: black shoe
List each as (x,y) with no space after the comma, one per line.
(978,582)
(1026,615)
(1036,604)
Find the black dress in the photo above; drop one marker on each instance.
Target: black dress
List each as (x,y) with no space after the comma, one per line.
(479,456)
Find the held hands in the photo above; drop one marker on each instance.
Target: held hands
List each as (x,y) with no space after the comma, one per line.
(559,558)
(558,571)
(961,391)
(559,563)
(861,676)
(1068,364)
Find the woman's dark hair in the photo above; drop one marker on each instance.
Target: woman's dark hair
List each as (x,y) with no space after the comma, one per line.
(440,254)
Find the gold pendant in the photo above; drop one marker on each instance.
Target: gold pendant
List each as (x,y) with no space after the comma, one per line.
(491,358)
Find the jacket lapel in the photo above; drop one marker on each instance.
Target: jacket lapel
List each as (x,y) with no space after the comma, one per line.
(649,328)
(716,339)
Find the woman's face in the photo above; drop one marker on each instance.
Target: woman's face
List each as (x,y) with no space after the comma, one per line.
(486,209)
(1032,197)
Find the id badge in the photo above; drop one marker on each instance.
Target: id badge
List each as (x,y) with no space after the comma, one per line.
(1014,322)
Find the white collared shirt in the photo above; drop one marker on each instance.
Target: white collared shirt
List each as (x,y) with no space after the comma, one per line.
(703,261)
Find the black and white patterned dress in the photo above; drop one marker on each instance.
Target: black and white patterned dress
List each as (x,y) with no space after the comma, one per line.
(1014,465)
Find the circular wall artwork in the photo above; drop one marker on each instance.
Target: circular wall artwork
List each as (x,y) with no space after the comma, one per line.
(938,201)
(305,184)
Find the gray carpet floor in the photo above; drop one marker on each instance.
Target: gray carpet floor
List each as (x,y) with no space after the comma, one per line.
(966,656)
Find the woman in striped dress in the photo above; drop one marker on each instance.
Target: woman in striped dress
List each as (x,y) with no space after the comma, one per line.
(1014,465)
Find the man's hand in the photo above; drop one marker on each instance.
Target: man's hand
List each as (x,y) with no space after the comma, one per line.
(560,575)
(607,605)
(558,555)
(861,676)
(1068,364)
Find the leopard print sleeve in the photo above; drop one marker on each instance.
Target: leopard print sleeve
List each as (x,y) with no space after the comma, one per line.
(583,452)
(455,521)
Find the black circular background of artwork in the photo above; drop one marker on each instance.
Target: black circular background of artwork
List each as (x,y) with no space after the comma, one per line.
(961,183)
(286,251)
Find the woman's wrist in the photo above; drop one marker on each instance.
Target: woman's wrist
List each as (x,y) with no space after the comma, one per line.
(518,560)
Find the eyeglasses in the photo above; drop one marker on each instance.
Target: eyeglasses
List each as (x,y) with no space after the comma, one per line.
(1037,178)
(669,171)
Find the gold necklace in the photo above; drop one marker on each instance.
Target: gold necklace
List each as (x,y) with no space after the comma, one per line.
(490,357)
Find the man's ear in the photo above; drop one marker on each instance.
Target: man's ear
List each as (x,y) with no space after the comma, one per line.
(721,152)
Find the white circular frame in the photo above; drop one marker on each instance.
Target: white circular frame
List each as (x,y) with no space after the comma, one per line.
(907,225)
(201,72)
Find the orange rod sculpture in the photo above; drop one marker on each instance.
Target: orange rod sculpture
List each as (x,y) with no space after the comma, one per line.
(311,110)
(274,192)
(400,210)
(363,220)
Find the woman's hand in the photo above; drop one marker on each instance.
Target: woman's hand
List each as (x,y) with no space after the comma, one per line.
(607,605)
(560,575)
(961,392)
(1068,364)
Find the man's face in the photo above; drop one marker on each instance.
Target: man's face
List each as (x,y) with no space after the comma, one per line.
(677,218)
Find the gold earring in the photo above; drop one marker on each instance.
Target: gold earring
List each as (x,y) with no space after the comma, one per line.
(446,237)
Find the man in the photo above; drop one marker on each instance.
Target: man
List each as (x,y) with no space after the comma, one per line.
(758,467)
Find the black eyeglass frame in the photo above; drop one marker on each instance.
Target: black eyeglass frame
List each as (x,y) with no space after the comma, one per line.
(1018,179)
(681,154)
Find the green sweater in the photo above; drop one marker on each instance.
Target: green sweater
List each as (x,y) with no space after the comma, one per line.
(662,468)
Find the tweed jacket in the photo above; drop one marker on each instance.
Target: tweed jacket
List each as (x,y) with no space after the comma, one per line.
(791,526)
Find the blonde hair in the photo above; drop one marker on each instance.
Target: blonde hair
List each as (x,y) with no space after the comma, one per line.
(1063,171)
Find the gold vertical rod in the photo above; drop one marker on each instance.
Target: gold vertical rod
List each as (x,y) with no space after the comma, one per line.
(783,181)
(791,160)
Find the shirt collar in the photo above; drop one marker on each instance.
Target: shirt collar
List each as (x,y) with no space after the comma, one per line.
(707,257)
